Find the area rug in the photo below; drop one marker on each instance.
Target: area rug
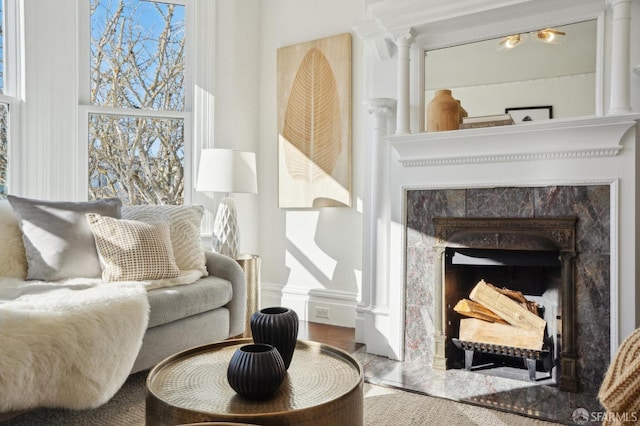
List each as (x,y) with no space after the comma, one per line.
(383,406)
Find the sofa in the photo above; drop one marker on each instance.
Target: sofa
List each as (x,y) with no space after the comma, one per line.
(208,310)
(65,324)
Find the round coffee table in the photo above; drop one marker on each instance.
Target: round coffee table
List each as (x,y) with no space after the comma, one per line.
(323,387)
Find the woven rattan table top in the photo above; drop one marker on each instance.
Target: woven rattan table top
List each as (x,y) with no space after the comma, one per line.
(196,380)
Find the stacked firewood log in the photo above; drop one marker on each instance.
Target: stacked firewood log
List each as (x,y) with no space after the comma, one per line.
(500,316)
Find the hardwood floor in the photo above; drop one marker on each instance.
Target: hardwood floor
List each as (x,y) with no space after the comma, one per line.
(340,337)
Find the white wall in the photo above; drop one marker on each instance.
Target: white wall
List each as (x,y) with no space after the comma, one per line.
(49,148)
(236,110)
(310,257)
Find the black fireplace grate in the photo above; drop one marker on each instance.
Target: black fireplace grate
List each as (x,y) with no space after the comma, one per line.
(529,356)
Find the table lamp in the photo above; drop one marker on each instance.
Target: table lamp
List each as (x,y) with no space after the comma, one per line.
(227,171)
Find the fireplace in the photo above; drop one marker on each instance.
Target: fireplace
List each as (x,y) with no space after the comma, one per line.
(582,168)
(571,222)
(531,255)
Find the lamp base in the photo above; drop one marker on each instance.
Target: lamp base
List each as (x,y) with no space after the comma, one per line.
(226,236)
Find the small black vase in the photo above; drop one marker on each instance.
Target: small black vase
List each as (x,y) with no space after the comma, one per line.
(256,371)
(276,326)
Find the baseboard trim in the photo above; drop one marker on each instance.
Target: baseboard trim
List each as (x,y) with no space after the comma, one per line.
(309,303)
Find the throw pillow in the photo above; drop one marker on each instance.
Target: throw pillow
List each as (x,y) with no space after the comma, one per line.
(57,238)
(13,260)
(185,224)
(133,251)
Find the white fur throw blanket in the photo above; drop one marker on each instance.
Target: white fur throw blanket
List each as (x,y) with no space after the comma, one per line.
(67,344)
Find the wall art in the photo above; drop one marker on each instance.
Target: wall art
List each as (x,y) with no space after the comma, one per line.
(314,123)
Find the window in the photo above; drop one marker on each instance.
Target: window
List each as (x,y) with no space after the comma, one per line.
(137,106)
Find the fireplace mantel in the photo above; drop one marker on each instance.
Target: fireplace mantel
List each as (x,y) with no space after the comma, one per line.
(583,151)
(553,139)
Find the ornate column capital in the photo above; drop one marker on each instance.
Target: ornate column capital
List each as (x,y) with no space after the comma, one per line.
(381,107)
(404,37)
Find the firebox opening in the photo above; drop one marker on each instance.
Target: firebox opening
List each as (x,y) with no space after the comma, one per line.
(537,275)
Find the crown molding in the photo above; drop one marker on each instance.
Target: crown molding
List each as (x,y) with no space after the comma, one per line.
(440,19)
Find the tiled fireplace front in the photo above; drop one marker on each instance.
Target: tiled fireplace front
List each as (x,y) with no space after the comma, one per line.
(589,203)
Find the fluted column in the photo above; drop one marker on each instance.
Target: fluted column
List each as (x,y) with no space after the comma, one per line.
(381,109)
(620,101)
(403,41)
(374,307)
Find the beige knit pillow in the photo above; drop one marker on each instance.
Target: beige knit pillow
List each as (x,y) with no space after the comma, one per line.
(133,251)
(185,223)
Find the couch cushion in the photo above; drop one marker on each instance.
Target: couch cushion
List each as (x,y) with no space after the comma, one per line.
(13,260)
(57,238)
(173,303)
(185,230)
(133,251)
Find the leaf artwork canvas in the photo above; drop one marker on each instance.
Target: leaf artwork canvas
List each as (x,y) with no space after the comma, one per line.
(314,123)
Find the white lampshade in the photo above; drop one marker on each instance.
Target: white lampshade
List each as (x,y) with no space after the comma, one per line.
(226,170)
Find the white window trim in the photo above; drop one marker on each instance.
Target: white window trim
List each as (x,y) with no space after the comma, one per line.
(13,94)
(85,109)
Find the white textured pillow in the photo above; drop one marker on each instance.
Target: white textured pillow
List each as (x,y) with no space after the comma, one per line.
(130,250)
(13,258)
(185,231)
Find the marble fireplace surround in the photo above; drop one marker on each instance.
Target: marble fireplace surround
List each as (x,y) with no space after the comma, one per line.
(583,167)
(515,218)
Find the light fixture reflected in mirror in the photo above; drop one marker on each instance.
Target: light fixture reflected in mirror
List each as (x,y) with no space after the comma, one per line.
(511,41)
(550,35)
(547,35)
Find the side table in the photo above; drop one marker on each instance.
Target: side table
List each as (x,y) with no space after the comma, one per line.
(250,264)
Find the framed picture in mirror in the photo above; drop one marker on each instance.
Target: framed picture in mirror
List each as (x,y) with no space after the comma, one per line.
(531,113)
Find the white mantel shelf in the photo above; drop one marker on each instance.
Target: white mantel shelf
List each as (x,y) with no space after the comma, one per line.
(552,139)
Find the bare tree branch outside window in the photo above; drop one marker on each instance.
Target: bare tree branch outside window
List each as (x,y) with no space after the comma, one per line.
(137,62)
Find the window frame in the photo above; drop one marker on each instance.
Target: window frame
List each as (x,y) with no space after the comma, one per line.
(85,109)
(16,172)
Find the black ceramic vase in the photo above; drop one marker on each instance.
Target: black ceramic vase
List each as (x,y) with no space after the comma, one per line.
(276,326)
(256,371)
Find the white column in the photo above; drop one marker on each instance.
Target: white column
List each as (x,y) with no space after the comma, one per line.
(403,42)
(381,109)
(620,101)
(373,310)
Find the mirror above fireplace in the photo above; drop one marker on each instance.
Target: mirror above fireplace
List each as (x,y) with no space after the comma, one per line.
(518,70)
